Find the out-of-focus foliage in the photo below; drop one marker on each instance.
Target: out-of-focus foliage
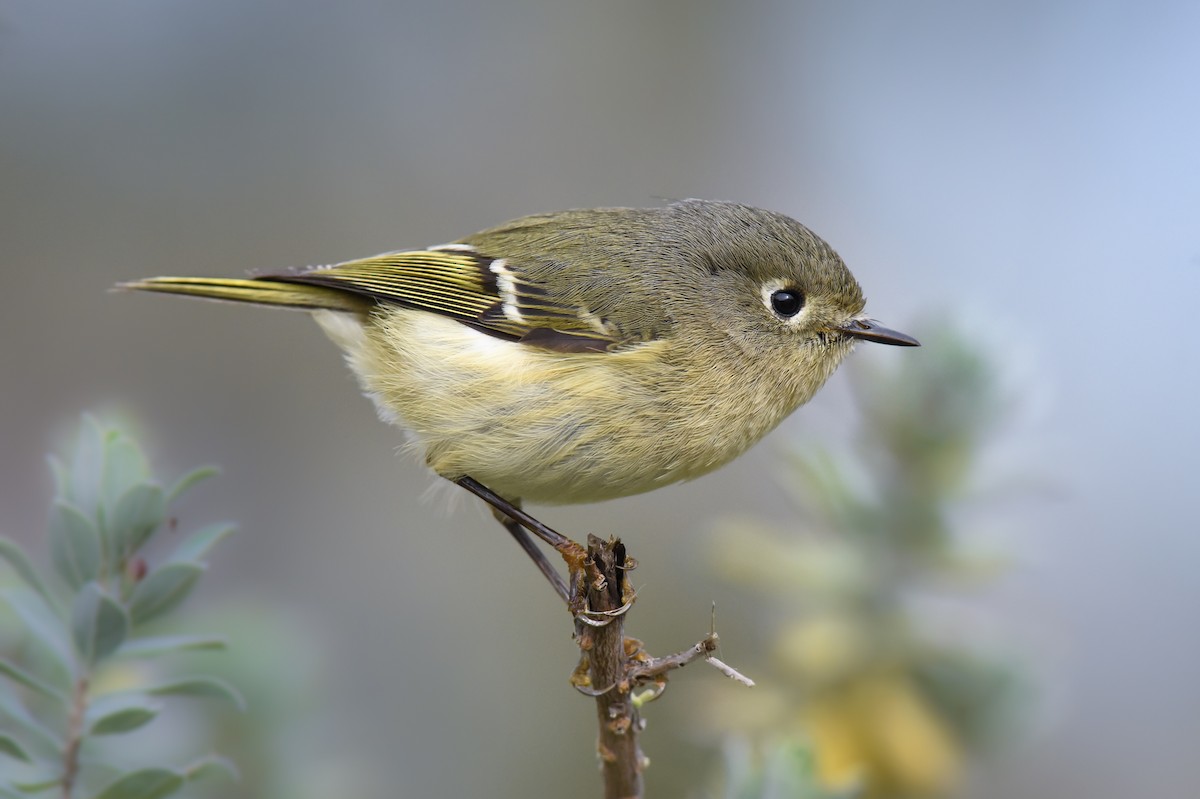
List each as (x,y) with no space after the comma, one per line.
(892,704)
(281,746)
(785,771)
(80,653)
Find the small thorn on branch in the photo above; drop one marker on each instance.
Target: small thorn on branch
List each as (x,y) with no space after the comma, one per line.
(730,672)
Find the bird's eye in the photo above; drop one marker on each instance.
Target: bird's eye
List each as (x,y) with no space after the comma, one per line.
(787,302)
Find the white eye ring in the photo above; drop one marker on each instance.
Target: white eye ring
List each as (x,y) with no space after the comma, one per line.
(783,300)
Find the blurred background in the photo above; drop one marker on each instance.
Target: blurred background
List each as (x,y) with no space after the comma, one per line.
(1028,171)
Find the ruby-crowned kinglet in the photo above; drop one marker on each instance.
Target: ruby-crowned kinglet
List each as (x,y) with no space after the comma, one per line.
(590,354)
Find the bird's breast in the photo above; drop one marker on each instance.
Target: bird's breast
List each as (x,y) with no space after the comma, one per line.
(554,427)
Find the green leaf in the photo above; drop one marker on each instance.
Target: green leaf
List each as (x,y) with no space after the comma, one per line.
(14,717)
(98,624)
(170,644)
(26,787)
(201,686)
(44,626)
(119,713)
(138,513)
(162,590)
(200,542)
(74,544)
(190,479)
(124,466)
(19,675)
(210,767)
(86,466)
(147,783)
(123,721)
(11,747)
(20,563)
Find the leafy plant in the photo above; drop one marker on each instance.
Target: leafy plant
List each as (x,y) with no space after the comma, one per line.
(73,680)
(894,698)
(785,771)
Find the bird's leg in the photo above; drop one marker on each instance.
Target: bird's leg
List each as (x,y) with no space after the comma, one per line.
(531,549)
(517,521)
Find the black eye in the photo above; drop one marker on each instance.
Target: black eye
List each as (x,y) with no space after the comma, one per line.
(787,302)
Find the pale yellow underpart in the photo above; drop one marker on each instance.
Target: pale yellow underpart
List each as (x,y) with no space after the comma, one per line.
(554,427)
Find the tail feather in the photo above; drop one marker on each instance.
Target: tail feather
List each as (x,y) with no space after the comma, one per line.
(259,291)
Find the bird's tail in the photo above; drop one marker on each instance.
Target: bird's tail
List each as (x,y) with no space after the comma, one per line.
(259,291)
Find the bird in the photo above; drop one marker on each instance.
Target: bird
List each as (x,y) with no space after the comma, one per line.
(584,355)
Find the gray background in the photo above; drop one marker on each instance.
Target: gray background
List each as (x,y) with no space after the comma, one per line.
(1032,166)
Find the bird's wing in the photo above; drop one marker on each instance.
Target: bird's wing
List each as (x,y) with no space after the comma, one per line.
(488,293)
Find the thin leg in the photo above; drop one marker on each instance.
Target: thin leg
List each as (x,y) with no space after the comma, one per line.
(539,558)
(514,512)
(516,521)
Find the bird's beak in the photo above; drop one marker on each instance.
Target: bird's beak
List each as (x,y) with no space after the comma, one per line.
(870,330)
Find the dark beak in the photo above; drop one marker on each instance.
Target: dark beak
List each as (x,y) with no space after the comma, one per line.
(870,330)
